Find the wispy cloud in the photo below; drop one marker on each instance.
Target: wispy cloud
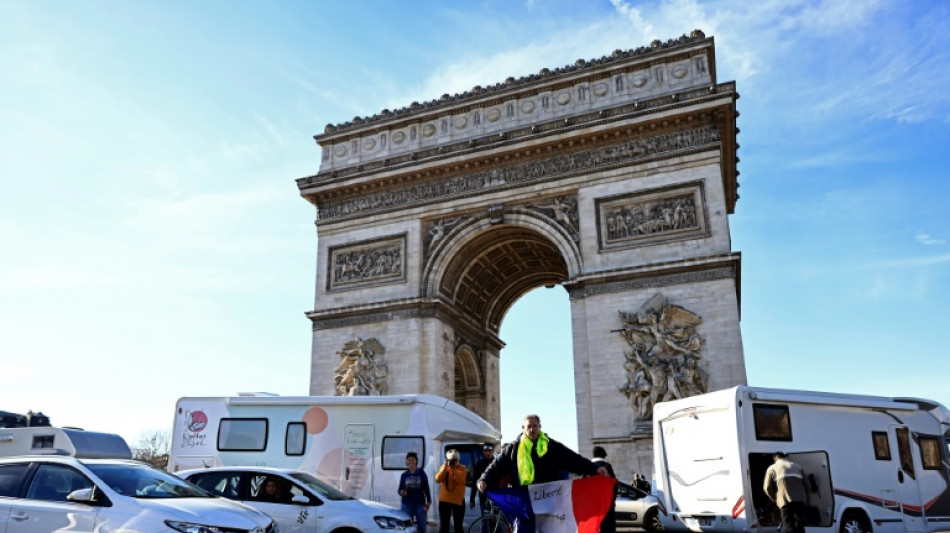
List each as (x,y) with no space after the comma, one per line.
(927,240)
(916,262)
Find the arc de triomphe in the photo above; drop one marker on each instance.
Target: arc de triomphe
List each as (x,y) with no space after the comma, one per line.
(612,177)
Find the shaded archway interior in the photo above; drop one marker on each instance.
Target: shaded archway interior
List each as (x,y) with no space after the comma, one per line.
(498,267)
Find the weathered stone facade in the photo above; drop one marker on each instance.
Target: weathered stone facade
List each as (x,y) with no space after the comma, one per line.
(612,177)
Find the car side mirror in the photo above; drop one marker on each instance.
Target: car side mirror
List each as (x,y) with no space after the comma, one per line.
(301,498)
(81,495)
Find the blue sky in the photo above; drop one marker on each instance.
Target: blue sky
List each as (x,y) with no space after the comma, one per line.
(154,245)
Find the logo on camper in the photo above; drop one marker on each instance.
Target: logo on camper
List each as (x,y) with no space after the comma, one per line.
(196,421)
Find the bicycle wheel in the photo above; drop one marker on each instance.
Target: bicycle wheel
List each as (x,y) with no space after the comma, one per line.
(489,524)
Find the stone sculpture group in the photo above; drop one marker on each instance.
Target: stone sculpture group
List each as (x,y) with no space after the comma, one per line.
(663,363)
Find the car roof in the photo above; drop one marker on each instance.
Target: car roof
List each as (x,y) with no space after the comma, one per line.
(67,459)
(266,469)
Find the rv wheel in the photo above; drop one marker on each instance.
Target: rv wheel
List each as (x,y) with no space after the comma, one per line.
(854,522)
(651,521)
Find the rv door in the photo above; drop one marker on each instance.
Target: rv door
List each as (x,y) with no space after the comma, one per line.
(356,477)
(907,470)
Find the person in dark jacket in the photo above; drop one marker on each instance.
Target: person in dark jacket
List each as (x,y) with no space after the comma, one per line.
(414,489)
(534,458)
(609,525)
(488,454)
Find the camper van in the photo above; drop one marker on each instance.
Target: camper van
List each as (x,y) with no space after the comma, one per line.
(872,463)
(357,444)
(48,440)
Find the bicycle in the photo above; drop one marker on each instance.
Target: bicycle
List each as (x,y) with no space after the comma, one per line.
(493,521)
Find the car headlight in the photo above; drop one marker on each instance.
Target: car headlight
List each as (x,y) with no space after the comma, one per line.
(389,522)
(187,527)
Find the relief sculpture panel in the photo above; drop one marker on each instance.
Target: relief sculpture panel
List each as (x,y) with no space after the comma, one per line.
(652,216)
(664,358)
(362,370)
(563,210)
(367,263)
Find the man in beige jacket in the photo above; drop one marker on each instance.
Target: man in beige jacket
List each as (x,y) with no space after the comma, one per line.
(785,485)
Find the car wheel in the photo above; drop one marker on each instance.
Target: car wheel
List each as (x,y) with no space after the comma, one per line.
(854,522)
(651,521)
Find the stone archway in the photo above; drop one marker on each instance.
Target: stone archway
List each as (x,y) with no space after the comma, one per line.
(612,177)
(481,264)
(469,379)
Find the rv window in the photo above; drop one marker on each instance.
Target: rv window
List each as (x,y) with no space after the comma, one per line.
(295,441)
(882,448)
(772,422)
(396,448)
(42,441)
(903,450)
(242,434)
(469,455)
(929,452)
(10,477)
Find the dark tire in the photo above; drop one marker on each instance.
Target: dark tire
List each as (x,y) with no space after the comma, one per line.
(489,524)
(854,522)
(651,521)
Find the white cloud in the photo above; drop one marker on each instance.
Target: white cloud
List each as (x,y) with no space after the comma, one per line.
(927,240)
(916,262)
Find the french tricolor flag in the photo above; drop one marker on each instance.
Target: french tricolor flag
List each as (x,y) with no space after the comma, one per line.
(569,506)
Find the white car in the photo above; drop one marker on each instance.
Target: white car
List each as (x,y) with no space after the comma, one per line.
(302,503)
(44,493)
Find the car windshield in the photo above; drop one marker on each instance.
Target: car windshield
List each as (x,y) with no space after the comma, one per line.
(319,487)
(630,492)
(143,481)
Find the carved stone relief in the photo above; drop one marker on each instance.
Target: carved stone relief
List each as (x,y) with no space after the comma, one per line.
(362,370)
(650,216)
(367,262)
(563,210)
(663,362)
(433,231)
(623,153)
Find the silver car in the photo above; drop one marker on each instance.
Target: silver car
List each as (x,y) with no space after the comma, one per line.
(636,510)
(300,503)
(39,494)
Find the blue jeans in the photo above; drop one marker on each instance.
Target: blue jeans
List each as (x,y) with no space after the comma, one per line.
(417,513)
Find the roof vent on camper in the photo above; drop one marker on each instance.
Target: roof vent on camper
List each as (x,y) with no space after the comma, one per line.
(36,419)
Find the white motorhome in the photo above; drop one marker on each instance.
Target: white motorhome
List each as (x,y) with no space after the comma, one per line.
(355,443)
(872,463)
(48,440)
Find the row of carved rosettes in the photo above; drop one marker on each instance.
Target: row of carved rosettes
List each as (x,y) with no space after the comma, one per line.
(479,91)
(495,117)
(625,153)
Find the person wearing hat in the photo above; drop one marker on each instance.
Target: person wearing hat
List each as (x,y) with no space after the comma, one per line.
(451,480)
(488,453)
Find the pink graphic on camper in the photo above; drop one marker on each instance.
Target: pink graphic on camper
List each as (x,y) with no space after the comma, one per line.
(196,421)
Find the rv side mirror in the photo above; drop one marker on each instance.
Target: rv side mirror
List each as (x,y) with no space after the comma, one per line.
(81,495)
